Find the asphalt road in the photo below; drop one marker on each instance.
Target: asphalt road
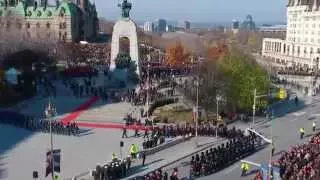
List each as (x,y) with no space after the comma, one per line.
(285,133)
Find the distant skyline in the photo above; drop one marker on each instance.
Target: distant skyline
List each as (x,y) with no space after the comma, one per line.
(197,11)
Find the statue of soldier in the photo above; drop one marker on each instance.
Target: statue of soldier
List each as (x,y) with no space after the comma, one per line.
(125,8)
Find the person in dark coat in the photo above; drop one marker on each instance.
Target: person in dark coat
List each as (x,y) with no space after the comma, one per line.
(143,156)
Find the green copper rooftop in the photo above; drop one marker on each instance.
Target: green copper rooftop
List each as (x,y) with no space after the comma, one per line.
(65,8)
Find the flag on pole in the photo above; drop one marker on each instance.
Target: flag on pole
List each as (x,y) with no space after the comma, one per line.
(56,161)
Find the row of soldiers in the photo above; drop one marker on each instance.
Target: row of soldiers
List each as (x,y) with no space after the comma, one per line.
(153,141)
(56,126)
(33,124)
(215,159)
(190,129)
(115,170)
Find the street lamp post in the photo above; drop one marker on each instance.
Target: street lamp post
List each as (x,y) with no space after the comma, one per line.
(218,98)
(271,134)
(50,112)
(254,106)
(197,104)
(148,86)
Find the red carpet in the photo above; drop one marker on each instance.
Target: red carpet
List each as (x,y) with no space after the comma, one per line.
(74,114)
(107,125)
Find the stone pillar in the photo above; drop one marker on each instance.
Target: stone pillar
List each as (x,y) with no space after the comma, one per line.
(315,5)
(264,46)
(125,28)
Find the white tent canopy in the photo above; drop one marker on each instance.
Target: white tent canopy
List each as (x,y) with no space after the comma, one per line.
(12,76)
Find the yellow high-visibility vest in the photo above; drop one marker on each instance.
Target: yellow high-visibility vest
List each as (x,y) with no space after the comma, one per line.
(247,166)
(114,156)
(243,166)
(133,149)
(301,130)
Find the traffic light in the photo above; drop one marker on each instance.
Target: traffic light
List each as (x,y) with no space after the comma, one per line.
(282,93)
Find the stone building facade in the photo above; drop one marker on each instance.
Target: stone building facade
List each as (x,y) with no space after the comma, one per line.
(301,47)
(66,20)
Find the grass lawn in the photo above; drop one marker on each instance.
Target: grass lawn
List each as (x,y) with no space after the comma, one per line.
(175,114)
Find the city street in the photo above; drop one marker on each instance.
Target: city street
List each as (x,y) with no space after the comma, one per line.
(285,133)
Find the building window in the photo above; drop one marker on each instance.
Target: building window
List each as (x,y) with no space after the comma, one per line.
(62,12)
(312,40)
(64,25)
(313,25)
(48,25)
(38,25)
(28,34)
(311,50)
(305,50)
(307,32)
(318,50)
(307,25)
(28,25)
(306,40)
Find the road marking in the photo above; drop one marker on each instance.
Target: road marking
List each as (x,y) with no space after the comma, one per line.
(295,119)
(298,113)
(231,169)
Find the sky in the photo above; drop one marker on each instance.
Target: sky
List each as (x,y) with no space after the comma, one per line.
(197,10)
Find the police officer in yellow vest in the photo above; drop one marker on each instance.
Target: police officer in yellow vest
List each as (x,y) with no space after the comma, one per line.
(301,130)
(114,157)
(133,151)
(244,168)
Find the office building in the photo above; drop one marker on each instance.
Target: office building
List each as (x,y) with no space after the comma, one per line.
(301,47)
(161,25)
(148,26)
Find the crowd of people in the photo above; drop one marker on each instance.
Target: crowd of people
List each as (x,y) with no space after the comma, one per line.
(41,125)
(80,71)
(301,161)
(215,159)
(153,141)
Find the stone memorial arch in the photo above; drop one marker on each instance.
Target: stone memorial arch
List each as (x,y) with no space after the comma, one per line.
(125,27)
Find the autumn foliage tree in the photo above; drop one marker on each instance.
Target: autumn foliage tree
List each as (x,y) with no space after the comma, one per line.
(217,52)
(177,55)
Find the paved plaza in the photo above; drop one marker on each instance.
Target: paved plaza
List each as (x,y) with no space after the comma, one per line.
(24,151)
